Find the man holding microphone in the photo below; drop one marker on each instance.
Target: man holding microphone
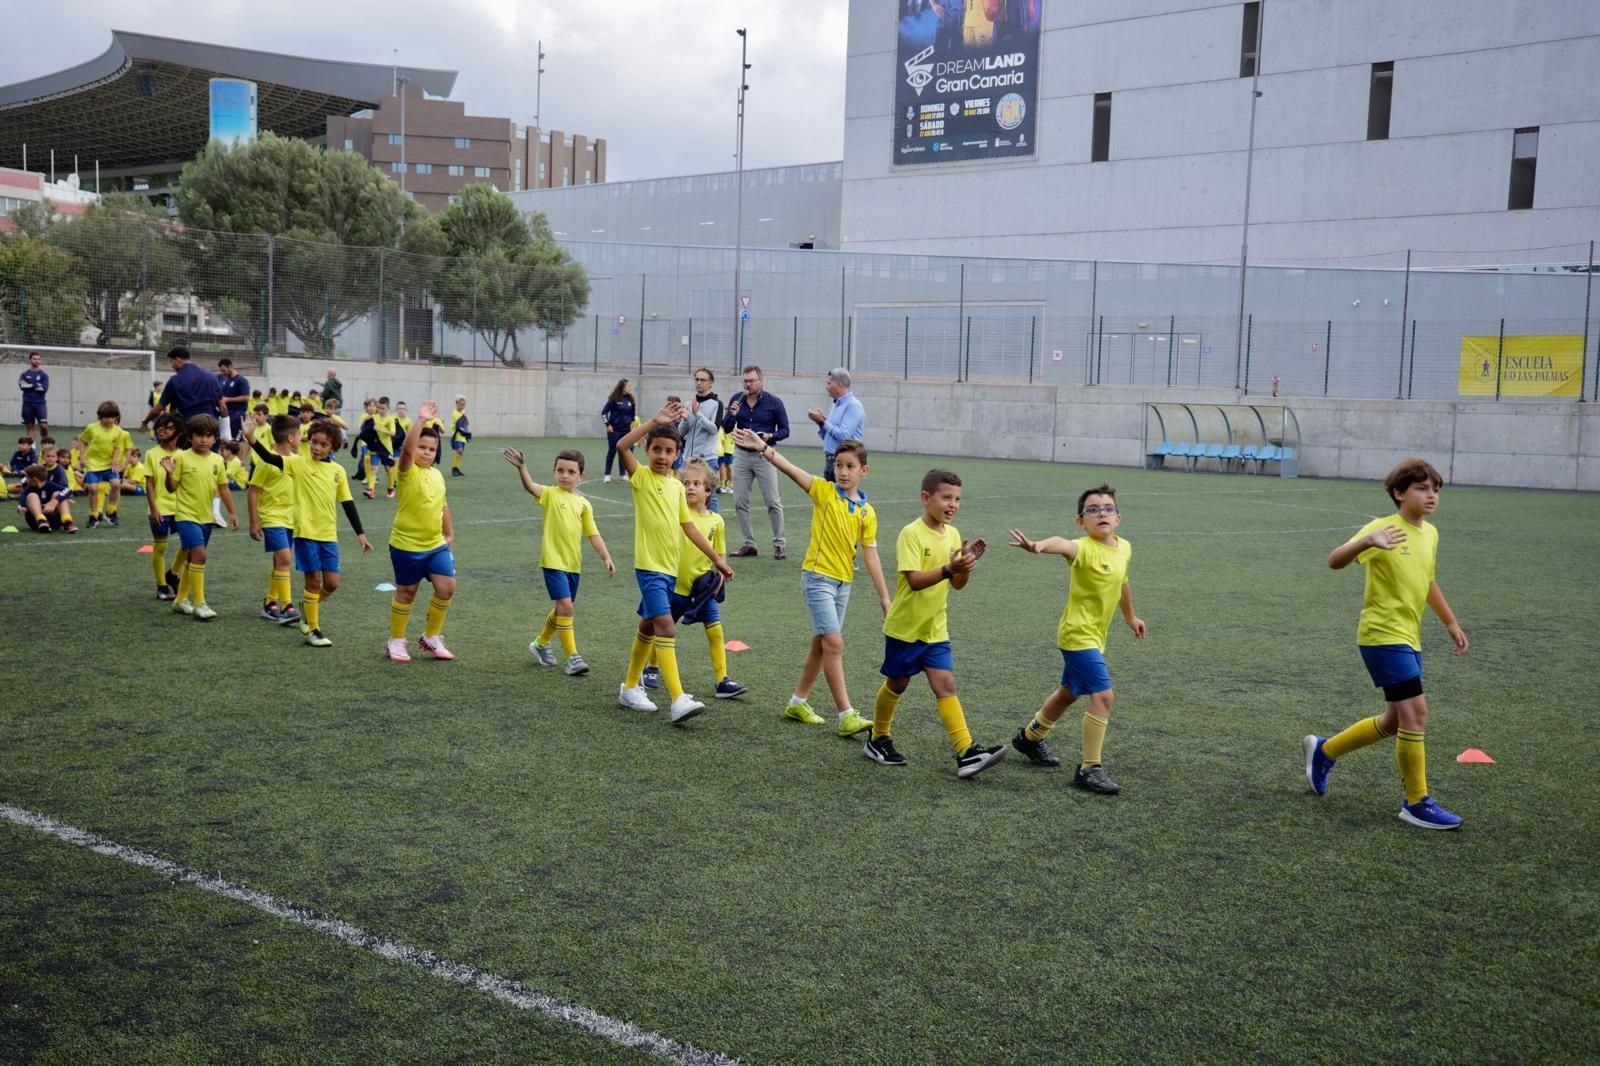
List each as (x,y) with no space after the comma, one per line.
(764,415)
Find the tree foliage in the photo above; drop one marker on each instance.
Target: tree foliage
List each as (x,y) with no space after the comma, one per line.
(41,293)
(128,252)
(505,273)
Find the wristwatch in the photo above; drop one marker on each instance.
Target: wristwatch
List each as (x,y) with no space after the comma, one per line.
(945,570)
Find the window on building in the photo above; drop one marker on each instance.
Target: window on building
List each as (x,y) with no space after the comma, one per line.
(394,138)
(397,168)
(457,170)
(588,177)
(463,142)
(566,174)
(1100,150)
(480,172)
(1379,99)
(516,174)
(541,170)
(424,168)
(349,145)
(1524,162)
(1250,40)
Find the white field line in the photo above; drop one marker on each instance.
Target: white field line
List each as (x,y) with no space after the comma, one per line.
(501,988)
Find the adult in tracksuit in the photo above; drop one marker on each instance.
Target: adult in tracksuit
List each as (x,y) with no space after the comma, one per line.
(701,429)
(35,384)
(618,415)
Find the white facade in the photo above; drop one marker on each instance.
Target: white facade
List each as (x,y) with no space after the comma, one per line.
(1467,75)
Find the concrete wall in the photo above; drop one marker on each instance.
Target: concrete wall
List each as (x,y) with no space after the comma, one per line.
(1515,444)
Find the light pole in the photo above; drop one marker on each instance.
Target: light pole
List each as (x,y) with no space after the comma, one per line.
(1249,170)
(738,209)
(402,83)
(538,91)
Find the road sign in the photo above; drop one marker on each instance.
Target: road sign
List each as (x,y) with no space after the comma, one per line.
(745,302)
(744,316)
(1055,354)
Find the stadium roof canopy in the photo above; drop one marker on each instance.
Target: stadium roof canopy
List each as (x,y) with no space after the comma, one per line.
(147,103)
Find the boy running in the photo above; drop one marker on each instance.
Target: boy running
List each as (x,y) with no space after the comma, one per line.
(271,503)
(1097,584)
(105,447)
(196,476)
(419,541)
(1399,553)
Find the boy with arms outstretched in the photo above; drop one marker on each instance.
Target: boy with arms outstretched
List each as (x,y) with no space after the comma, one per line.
(1399,553)
(841,519)
(1097,586)
(419,541)
(568,519)
(931,559)
(271,504)
(661,510)
(196,476)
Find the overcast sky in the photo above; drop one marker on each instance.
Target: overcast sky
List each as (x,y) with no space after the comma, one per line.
(656,79)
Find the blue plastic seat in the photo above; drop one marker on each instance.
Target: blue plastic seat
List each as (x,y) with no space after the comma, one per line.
(1267,454)
(1164,448)
(1249,453)
(1182,450)
(1288,453)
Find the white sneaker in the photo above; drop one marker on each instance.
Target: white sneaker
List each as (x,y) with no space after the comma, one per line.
(543,653)
(634,698)
(397,650)
(434,646)
(608,479)
(203,612)
(684,708)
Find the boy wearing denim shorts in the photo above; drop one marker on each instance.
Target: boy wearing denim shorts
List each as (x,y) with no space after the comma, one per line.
(841,519)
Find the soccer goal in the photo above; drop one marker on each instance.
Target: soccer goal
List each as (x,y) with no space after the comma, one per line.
(141,359)
(80,378)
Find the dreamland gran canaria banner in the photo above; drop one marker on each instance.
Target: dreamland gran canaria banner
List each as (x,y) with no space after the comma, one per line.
(1525,366)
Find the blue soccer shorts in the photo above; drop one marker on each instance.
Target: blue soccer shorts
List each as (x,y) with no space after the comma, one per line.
(410,568)
(277,538)
(561,584)
(655,593)
(1084,671)
(907,658)
(194,534)
(163,527)
(316,556)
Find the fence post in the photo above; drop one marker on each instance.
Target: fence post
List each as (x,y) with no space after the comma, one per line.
(597,342)
(966,374)
(1100,348)
(794,346)
(383,319)
(906,374)
(691,340)
(267,341)
(1327,357)
(1498,357)
(1583,359)
(849,341)
(1033,327)
(22,312)
(1411,373)
(641,323)
(474,310)
(1172,324)
(1405,309)
(188,319)
(961,316)
(1249,334)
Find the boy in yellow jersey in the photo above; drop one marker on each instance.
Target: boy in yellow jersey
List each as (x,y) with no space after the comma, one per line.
(460,433)
(1399,553)
(841,519)
(162,504)
(314,401)
(320,487)
(271,502)
(568,518)
(132,482)
(258,426)
(420,539)
(105,447)
(1097,584)
(931,559)
(660,510)
(724,461)
(380,443)
(196,476)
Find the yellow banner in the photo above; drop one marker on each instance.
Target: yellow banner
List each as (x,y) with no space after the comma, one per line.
(1527,366)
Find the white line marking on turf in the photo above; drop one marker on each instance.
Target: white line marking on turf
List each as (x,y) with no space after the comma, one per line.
(1234,532)
(501,988)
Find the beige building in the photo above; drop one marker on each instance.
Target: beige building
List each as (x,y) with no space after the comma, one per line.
(446,149)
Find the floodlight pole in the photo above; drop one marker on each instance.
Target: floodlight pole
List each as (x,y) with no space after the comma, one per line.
(402,82)
(538,91)
(738,200)
(1249,170)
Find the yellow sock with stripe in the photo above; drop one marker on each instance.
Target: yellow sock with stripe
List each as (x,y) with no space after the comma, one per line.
(399,618)
(883,710)
(282,592)
(1410,754)
(437,609)
(456,464)
(183,582)
(1094,738)
(1358,736)
(1038,729)
(195,578)
(642,646)
(667,663)
(955,723)
(311,608)
(569,639)
(391,474)
(548,633)
(719,652)
(158,560)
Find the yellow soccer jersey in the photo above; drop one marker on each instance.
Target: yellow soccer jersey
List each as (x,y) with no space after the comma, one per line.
(101,442)
(1397,584)
(237,474)
(156,479)
(385,424)
(274,496)
(402,425)
(74,477)
(1094,585)
(264,435)
(692,562)
(316,404)
(278,405)
(921,615)
(319,489)
(436,424)
(455,423)
(419,514)
(198,477)
(568,518)
(659,511)
(837,526)
(724,443)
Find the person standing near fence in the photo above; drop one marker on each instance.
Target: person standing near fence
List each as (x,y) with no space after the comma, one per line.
(764,415)
(190,391)
(34,383)
(235,399)
(702,430)
(618,415)
(847,420)
(333,388)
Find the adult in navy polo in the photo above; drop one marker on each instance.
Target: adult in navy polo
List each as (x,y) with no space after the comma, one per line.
(35,383)
(846,420)
(190,391)
(235,398)
(763,414)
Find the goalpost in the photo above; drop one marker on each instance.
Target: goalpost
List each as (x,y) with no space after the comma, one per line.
(75,384)
(141,359)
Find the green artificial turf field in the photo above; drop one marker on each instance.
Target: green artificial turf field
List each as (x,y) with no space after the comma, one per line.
(755,887)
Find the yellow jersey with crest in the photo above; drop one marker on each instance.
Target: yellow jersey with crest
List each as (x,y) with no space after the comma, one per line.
(1094,590)
(920,615)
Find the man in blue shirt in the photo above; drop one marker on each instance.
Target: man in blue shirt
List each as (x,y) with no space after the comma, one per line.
(189,391)
(34,383)
(846,421)
(235,398)
(763,414)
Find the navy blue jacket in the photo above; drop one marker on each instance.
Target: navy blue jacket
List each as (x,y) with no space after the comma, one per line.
(767,415)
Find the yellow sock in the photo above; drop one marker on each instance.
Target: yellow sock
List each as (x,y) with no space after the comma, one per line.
(667,662)
(390,473)
(372,474)
(437,609)
(642,646)
(1410,754)
(158,560)
(310,608)
(180,563)
(1094,738)
(549,630)
(883,710)
(569,639)
(282,592)
(955,723)
(1365,732)
(1038,729)
(719,652)
(183,582)
(399,615)
(195,577)
(456,463)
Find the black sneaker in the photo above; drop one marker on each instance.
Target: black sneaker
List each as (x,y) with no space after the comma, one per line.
(94,520)
(1035,750)
(1095,779)
(112,518)
(977,758)
(172,583)
(881,750)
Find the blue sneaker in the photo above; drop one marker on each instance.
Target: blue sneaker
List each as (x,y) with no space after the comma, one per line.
(1426,814)
(1317,765)
(652,677)
(728,688)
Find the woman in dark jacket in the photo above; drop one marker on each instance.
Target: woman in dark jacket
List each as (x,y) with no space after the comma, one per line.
(618,415)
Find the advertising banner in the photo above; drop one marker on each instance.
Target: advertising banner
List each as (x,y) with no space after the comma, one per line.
(966,79)
(1526,366)
(233,111)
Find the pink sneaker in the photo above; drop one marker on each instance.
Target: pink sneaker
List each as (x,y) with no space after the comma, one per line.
(434,646)
(397,650)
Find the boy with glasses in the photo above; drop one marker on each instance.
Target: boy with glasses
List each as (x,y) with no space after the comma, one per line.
(1098,585)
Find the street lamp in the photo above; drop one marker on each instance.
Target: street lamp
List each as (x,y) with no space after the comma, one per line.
(738,210)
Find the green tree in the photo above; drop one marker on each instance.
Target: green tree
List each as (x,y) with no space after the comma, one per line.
(328,223)
(505,273)
(129,256)
(41,293)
